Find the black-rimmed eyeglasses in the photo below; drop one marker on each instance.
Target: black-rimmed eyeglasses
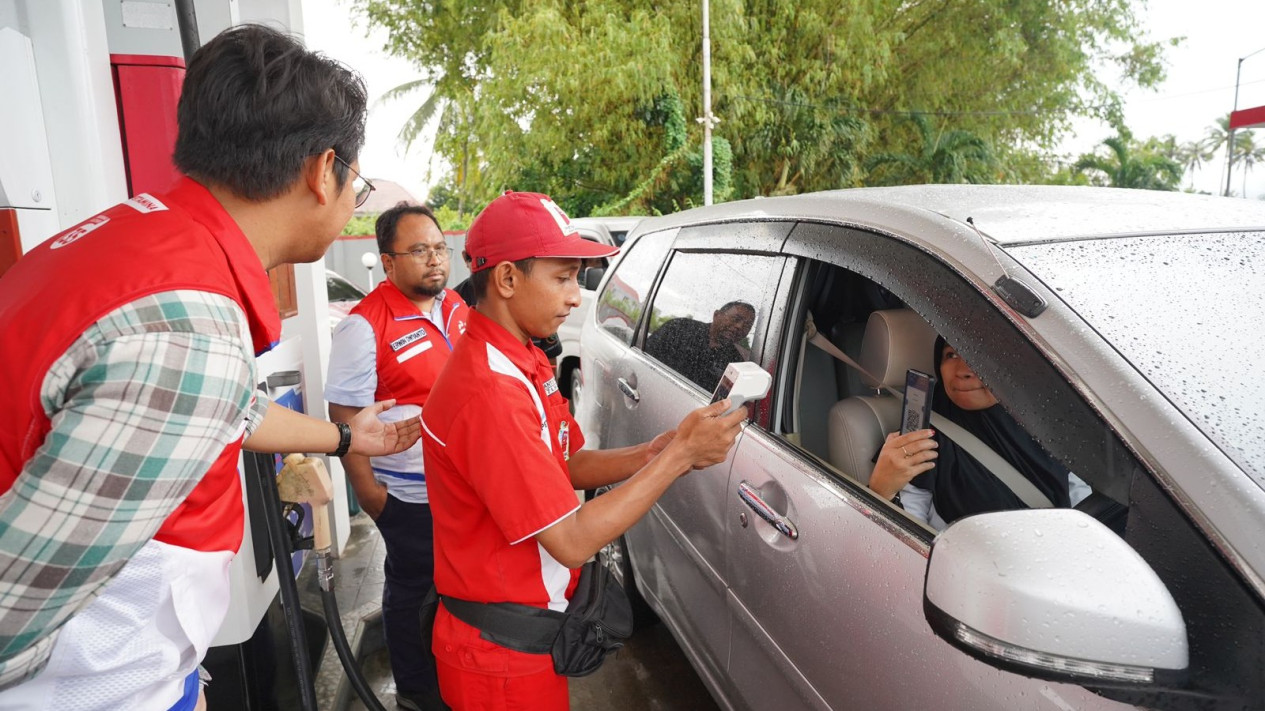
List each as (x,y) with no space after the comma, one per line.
(358,182)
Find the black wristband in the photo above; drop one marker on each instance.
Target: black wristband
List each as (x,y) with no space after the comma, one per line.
(344,439)
(896,500)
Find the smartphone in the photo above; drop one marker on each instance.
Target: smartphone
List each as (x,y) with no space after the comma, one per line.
(916,413)
(742,383)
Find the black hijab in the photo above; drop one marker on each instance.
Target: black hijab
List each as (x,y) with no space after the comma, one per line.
(961,486)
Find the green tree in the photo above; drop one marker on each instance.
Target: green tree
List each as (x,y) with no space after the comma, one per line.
(1244,152)
(564,96)
(939,156)
(1129,164)
(1193,155)
(1247,154)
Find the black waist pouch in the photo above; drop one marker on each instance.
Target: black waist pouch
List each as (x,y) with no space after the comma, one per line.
(597,621)
(599,618)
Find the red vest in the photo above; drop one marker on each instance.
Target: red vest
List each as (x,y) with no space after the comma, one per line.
(410,349)
(182,239)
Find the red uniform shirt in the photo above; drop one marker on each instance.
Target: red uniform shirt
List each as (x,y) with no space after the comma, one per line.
(498,435)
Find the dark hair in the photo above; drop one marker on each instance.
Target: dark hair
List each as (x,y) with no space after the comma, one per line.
(738,304)
(255,105)
(388,221)
(479,280)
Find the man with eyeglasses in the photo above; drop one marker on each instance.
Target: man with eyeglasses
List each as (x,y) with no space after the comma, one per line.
(393,346)
(129,383)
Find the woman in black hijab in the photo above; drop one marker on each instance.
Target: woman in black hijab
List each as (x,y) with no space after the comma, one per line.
(938,481)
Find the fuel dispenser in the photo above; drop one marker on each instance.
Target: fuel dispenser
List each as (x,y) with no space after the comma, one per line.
(91,88)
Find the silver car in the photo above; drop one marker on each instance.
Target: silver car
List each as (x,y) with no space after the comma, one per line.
(605,230)
(1124,331)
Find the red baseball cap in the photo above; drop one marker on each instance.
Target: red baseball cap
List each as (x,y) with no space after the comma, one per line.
(524,225)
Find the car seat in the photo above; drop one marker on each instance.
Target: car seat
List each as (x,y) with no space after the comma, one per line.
(895,340)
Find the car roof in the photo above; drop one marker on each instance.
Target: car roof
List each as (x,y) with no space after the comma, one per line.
(596,227)
(608,224)
(1006,214)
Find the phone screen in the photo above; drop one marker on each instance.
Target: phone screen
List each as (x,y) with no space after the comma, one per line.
(916,414)
(723,387)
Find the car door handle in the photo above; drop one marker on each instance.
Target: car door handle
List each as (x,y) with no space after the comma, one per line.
(628,390)
(748,494)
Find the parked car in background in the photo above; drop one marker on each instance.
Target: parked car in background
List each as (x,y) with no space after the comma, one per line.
(1121,329)
(598,229)
(343,296)
(619,227)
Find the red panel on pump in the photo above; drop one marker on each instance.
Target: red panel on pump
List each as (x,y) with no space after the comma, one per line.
(10,240)
(147,89)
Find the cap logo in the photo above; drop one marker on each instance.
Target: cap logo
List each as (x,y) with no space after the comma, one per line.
(564,223)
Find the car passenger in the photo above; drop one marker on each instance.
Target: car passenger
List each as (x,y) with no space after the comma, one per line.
(701,351)
(938,481)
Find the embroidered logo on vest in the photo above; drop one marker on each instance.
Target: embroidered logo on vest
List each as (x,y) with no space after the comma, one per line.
(79,231)
(145,203)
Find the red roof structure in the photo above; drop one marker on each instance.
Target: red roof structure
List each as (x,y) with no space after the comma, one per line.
(1247,118)
(386,194)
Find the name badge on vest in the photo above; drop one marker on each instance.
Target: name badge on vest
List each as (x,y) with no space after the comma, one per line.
(564,440)
(407,340)
(551,387)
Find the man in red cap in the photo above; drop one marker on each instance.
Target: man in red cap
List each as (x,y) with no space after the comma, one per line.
(503,457)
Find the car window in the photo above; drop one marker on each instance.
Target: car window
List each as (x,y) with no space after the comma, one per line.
(592,262)
(840,285)
(1172,320)
(709,311)
(621,302)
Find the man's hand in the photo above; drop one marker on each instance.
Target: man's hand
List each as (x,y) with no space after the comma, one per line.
(704,436)
(372,437)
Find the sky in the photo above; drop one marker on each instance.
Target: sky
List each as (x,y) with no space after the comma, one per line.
(1199,87)
(330,27)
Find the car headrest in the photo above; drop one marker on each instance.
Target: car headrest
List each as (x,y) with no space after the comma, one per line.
(896,340)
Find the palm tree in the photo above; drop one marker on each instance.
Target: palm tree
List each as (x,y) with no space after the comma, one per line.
(1217,135)
(941,157)
(1247,154)
(428,109)
(1217,138)
(1128,165)
(451,105)
(1192,155)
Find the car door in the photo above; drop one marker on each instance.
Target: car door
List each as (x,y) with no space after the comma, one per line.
(712,305)
(826,587)
(607,339)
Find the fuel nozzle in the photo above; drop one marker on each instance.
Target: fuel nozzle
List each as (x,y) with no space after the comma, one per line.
(304,480)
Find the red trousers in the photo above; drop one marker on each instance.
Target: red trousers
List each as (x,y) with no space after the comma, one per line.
(466,690)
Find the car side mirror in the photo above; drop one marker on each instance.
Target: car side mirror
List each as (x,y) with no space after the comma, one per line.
(592,278)
(1054,594)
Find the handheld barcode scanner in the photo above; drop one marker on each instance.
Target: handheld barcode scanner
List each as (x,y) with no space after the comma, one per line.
(742,383)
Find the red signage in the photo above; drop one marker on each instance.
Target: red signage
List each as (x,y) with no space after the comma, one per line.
(1246,118)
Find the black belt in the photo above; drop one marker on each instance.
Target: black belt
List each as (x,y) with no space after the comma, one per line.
(523,628)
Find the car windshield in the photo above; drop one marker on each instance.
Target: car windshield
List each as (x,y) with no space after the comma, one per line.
(1188,311)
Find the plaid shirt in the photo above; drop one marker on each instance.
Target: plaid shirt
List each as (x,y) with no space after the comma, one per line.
(140,405)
